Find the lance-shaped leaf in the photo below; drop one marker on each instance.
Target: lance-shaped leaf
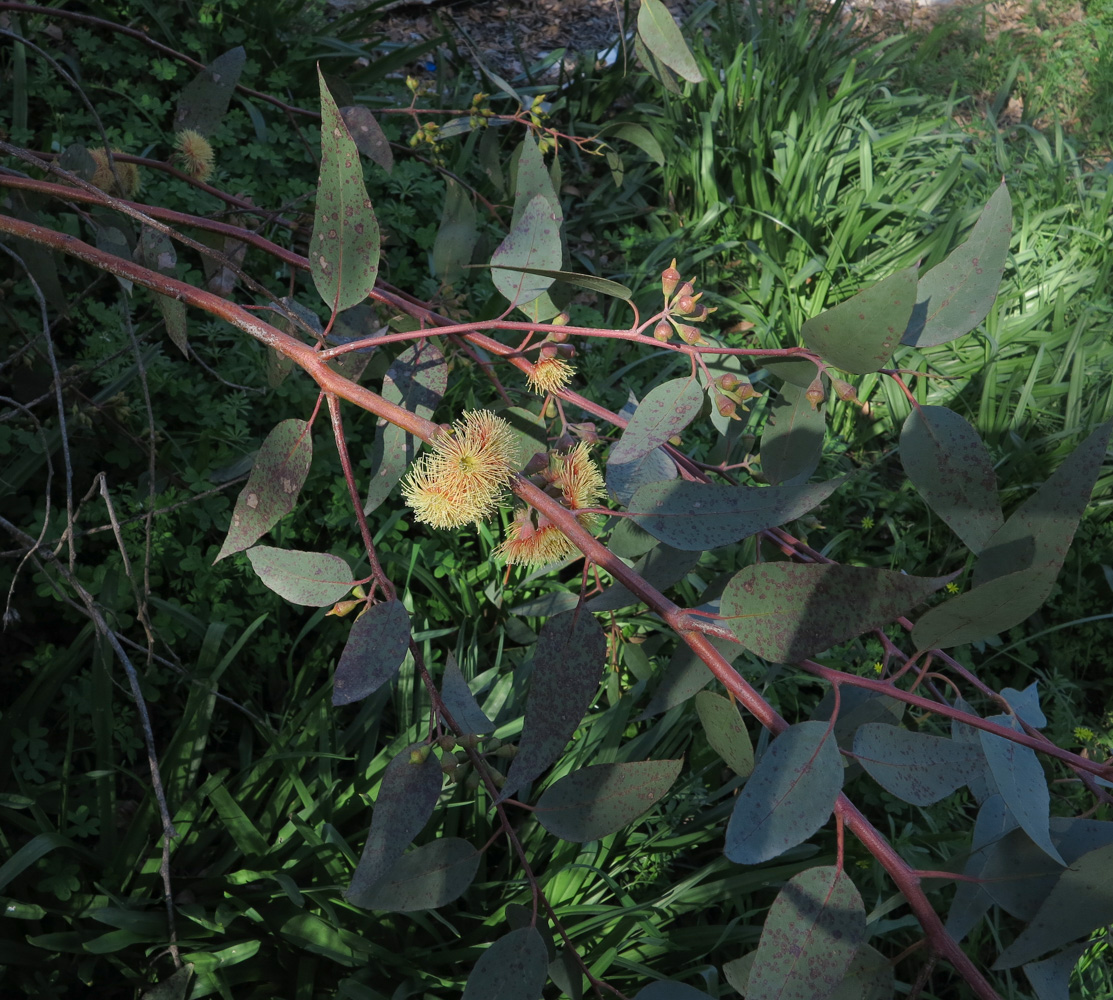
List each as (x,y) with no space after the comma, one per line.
(409,790)
(639,135)
(984,611)
(596,801)
(533,242)
(701,516)
(956,295)
(205,99)
(915,767)
(459,700)
(624,479)
(1051,977)
(430,876)
(660,568)
(792,441)
(515,967)
(344,245)
(311,578)
(811,935)
(416,380)
(1038,533)
(374,651)
(789,796)
(568,664)
(786,612)
(368,136)
(971,901)
(662,37)
(859,335)
(604,286)
(272,488)
(1022,784)
(685,675)
(726,732)
(532,179)
(665,412)
(952,469)
(154,250)
(457,235)
(1081,902)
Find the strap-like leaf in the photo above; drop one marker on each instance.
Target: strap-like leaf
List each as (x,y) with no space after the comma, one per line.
(789,796)
(272,488)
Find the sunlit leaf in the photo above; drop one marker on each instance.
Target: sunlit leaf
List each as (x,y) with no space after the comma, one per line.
(792,441)
(531,180)
(568,665)
(311,578)
(811,935)
(916,767)
(639,135)
(273,487)
(515,967)
(430,876)
(952,469)
(786,612)
(859,335)
(789,796)
(663,413)
(701,516)
(533,242)
(344,245)
(726,732)
(956,295)
(603,286)
(596,801)
(409,790)
(1020,779)
(375,649)
(662,37)
(204,100)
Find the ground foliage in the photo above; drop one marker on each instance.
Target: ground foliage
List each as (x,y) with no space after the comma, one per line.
(838,363)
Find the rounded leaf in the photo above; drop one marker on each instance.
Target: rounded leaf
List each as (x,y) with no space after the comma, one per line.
(311,578)
(374,651)
(515,967)
(430,876)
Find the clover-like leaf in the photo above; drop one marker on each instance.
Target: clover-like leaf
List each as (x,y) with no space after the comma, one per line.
(789,796)
(599,800)
(374,651)
(344,246)
(408,792)
(272,488)
(311,578)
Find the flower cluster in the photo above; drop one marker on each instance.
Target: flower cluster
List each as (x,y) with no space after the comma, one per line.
(532,539)
(194,154)
(124,183)
(465,476)
(549,375)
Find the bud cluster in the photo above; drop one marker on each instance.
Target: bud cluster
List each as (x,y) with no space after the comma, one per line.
(681,300)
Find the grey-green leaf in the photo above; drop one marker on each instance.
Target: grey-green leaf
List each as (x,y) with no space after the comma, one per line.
(957,294)
(663,413)
(859,335)
(459,700)
(311,578)
(368,136)
(726,732)
(786,612)
(272,488)
(663,990)
(407,795)
(662,37)
(1051,977)
(792,441)
(789,796)
(700,516)
(916,767)
(515,967)
(812,933)
(604,286)
(952,469)
(204,101)
(568,662)
(344,246)
(533,242)
(457,235)
(596,801)
(374,651)
(430,876)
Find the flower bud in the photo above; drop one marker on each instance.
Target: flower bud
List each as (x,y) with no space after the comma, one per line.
(690,335)
(745,390)
(815,394)
(728,381)
(447,742)
(844,390)
(663,331)
(726,406)
(684,305)
(561,319)
(507,750)
(670,278)
(548,350)
(419,755)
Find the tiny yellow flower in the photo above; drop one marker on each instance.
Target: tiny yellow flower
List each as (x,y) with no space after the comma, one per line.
(465,476)
(194,154)
(550,375)
(952,588)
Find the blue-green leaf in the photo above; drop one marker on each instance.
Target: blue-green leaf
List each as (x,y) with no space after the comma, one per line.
(515,967)
(374,651)
(311,578)
(916,767)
